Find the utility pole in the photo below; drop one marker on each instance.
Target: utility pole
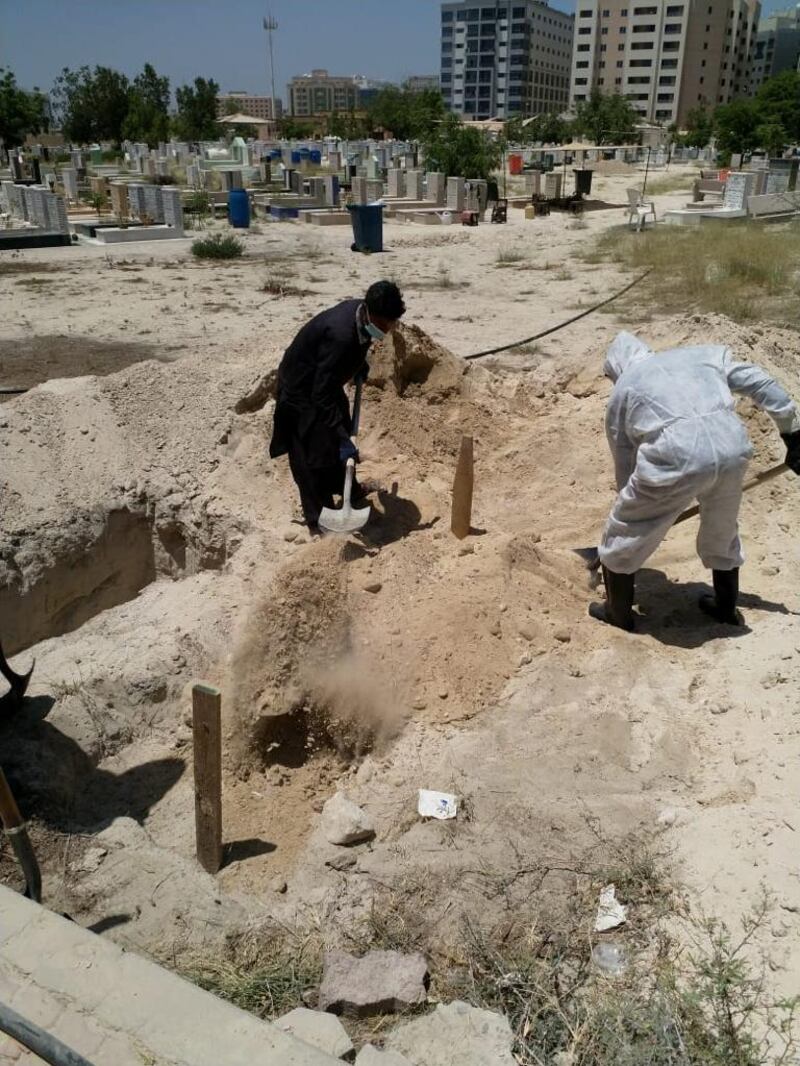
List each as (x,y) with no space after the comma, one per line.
(270,25)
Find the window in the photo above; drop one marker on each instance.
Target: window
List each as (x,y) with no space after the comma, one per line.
(639,80)
(447,49)
(585,14)
(518,13)
(447,63)
(702,80)
(665,98)
(604,29)
(708,29)
(584,30)
(447,16)
(446,79)
(669,64)
(624,13)
(674,11)
(618,81)
(602,64)
(622,29)
(672,27)
(603,47)
(581,81)
(488,13)
(620,63)
(666,80)
(606,13)
(583,48)
(645,10)
(641,62)
(705,46)
(671,46)
(644,29)
(641,46)
(473,16)
(582,64)
(664,114)
(620,47)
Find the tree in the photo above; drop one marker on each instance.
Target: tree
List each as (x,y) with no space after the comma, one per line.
(460,150)
(347,125)
(778,100)
(21,112)
(736,125)
(699,128)
(606,119)
(771,136)
(92,105)
(148,108)
(409,116)
(196,119)
(543,129)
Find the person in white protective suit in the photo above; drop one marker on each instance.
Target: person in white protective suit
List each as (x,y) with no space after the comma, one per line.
(676,438)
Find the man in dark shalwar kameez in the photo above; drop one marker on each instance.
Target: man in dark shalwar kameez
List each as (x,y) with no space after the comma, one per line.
(312,423)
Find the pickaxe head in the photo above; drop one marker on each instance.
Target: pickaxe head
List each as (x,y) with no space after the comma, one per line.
(18,682)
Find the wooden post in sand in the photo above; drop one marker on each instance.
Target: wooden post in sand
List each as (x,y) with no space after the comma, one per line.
(207,729)
(461,519)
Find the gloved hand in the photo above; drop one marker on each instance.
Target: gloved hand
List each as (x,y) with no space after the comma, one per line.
(347,450)
(792,442)
(361,376)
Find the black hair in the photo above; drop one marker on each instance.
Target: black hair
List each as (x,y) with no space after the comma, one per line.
(385,300)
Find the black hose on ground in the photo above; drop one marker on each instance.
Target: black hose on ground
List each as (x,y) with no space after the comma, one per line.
(12,391)
(561,325)
(49,1048)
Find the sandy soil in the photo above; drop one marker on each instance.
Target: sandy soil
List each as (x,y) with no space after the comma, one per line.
(146,541)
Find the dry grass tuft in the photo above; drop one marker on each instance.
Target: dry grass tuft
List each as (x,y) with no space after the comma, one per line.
(747,271)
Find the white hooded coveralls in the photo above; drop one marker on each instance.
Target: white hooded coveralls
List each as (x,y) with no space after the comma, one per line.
(676,438)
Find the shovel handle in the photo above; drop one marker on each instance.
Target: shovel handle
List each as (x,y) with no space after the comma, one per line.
(9,811)
(357,409)
(348,484)
(759,479)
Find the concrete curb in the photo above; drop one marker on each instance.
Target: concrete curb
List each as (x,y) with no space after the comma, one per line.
(118,1009)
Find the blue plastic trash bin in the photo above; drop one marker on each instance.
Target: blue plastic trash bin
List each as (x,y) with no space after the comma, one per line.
(239,208)
(367,222)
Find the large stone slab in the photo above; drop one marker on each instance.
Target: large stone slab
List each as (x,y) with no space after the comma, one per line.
(455,1035)
(318,1029)
(379,983)
(369,1055)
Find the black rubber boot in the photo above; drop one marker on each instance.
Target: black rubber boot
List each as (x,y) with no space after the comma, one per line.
(618,608)
(722,605)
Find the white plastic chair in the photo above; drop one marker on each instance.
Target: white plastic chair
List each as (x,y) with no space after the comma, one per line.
(639,209)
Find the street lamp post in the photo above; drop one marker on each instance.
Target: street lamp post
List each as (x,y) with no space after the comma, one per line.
(270,25)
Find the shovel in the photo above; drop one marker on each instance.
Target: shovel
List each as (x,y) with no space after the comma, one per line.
(17,833)
(591,556)
(18,682)
(349,519)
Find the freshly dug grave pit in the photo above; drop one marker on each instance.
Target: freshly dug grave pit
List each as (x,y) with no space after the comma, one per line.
(102,560)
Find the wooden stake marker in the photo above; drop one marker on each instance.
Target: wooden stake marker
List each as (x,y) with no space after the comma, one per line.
(207,726)
(461,519)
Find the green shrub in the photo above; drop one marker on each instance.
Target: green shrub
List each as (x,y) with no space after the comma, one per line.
(218,247)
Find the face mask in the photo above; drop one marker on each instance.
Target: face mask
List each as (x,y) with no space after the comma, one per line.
(374,332)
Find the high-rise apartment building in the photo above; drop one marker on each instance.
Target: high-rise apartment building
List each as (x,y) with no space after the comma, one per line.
(245,104)
(665,56)
(501,58)
(777,45)
(318,93)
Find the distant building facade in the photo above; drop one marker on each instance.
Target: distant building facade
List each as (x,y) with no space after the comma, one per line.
(665,56)
(777,45)
(500,58)
(318,93)
(245,104)
(422,83)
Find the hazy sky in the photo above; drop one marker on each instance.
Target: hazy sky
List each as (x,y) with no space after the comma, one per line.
(224,39)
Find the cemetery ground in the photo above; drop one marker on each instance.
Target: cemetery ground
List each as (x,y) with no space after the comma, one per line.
(148,541)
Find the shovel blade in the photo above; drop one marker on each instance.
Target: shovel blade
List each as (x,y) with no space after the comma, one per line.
(590,556)
(346,520)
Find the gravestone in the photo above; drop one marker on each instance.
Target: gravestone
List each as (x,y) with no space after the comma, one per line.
(414,180)
(69,178)
(330,185)
(533,182)
(552,185)
(334,161)
(173,209)
(737,190)
(192,174)
(296,182)
(119,199)
(736,160)
(358,189)
(374,191)
(231,179)
(782,175)
(396,183)
(136,199)
(455,194)
(153,203)
(373,168)
(288,178)
(471,196)
(435,188)
(16,167)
